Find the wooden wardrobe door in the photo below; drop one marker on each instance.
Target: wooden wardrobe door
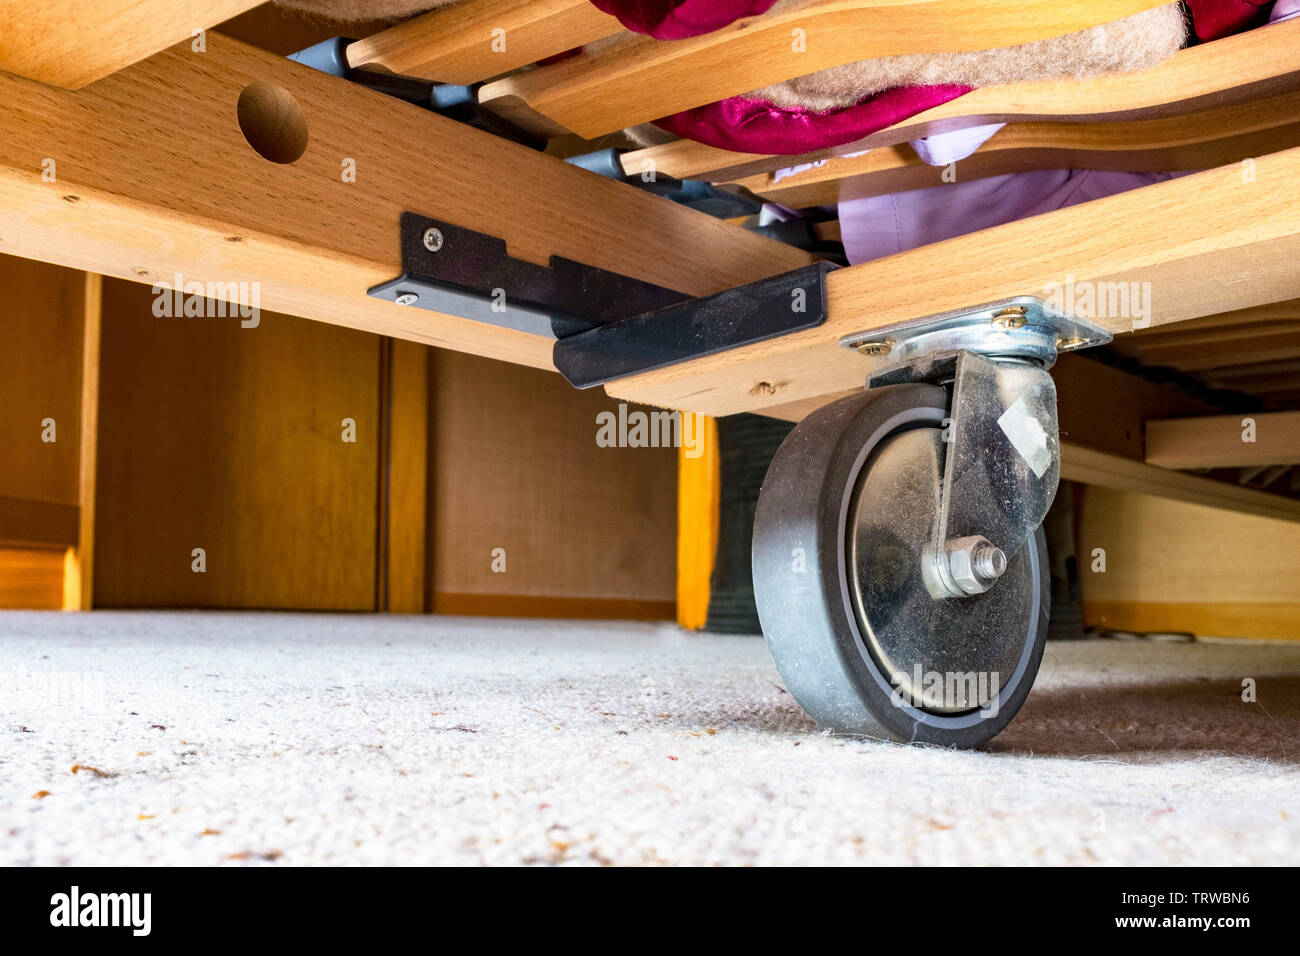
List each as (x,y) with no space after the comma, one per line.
(230,439)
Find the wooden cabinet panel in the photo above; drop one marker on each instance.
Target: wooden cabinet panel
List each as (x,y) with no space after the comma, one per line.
(41,308)
(229,439)
(1180,567)
(585,530)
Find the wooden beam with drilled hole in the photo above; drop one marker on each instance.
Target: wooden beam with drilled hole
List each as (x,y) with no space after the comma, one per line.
(154,178)
(1224,441)
(641,79)
(70,43)
(1236,69)
(470,42)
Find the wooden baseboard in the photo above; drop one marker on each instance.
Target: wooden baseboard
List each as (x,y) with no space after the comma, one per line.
(1272,621)
(524,605)
(31,579)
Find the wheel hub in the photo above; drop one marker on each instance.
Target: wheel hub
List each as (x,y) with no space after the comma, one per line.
(943,656)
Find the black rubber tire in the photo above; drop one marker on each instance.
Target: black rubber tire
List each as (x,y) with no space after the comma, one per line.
(808,620)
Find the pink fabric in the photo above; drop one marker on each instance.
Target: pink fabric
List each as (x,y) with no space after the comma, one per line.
(756,126)
(884,225)
(1212,19)
(678,19)
(751,125)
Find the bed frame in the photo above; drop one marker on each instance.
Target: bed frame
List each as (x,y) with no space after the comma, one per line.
(159,133)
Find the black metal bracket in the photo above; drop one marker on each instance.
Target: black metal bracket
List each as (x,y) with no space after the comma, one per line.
(606,325)
(771,307)
(457,271)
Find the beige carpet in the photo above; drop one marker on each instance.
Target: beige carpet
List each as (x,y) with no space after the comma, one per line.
(304,739)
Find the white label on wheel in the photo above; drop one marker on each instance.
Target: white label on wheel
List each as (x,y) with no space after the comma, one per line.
(1027,436)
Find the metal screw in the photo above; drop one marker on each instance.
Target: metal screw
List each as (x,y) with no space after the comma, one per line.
(433,239)
(407,298)
(1010,318)
(883,347)
(1065,344)
(990,561)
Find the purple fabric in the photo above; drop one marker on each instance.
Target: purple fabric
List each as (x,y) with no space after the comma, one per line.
(755,126)
(1284,10)
(884,225)
(679,19)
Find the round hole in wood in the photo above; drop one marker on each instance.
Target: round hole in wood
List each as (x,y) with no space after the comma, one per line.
(272,122)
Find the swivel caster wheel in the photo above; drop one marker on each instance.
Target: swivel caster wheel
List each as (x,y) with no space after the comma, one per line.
(900,567)
(843,520)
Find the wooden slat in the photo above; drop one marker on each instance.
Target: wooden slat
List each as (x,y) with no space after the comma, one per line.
(1099,468)
(1193,141)
(643,78)
(1173,236)
(1234,375)
(1236,69)
(70,43)
(145,201)
(460,43)
(1218,441)
(1105,409)
(1226,321)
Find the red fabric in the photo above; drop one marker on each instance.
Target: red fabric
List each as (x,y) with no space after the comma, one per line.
(756,126)
(678,19)
(1212,19)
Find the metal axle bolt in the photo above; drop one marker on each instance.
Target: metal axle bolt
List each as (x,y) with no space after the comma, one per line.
(989,561)
(965,566)
(433,239)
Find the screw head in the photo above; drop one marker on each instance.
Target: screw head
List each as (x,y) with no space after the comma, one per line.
(433,239)
(407,298)
(1010,318)
(883,347)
